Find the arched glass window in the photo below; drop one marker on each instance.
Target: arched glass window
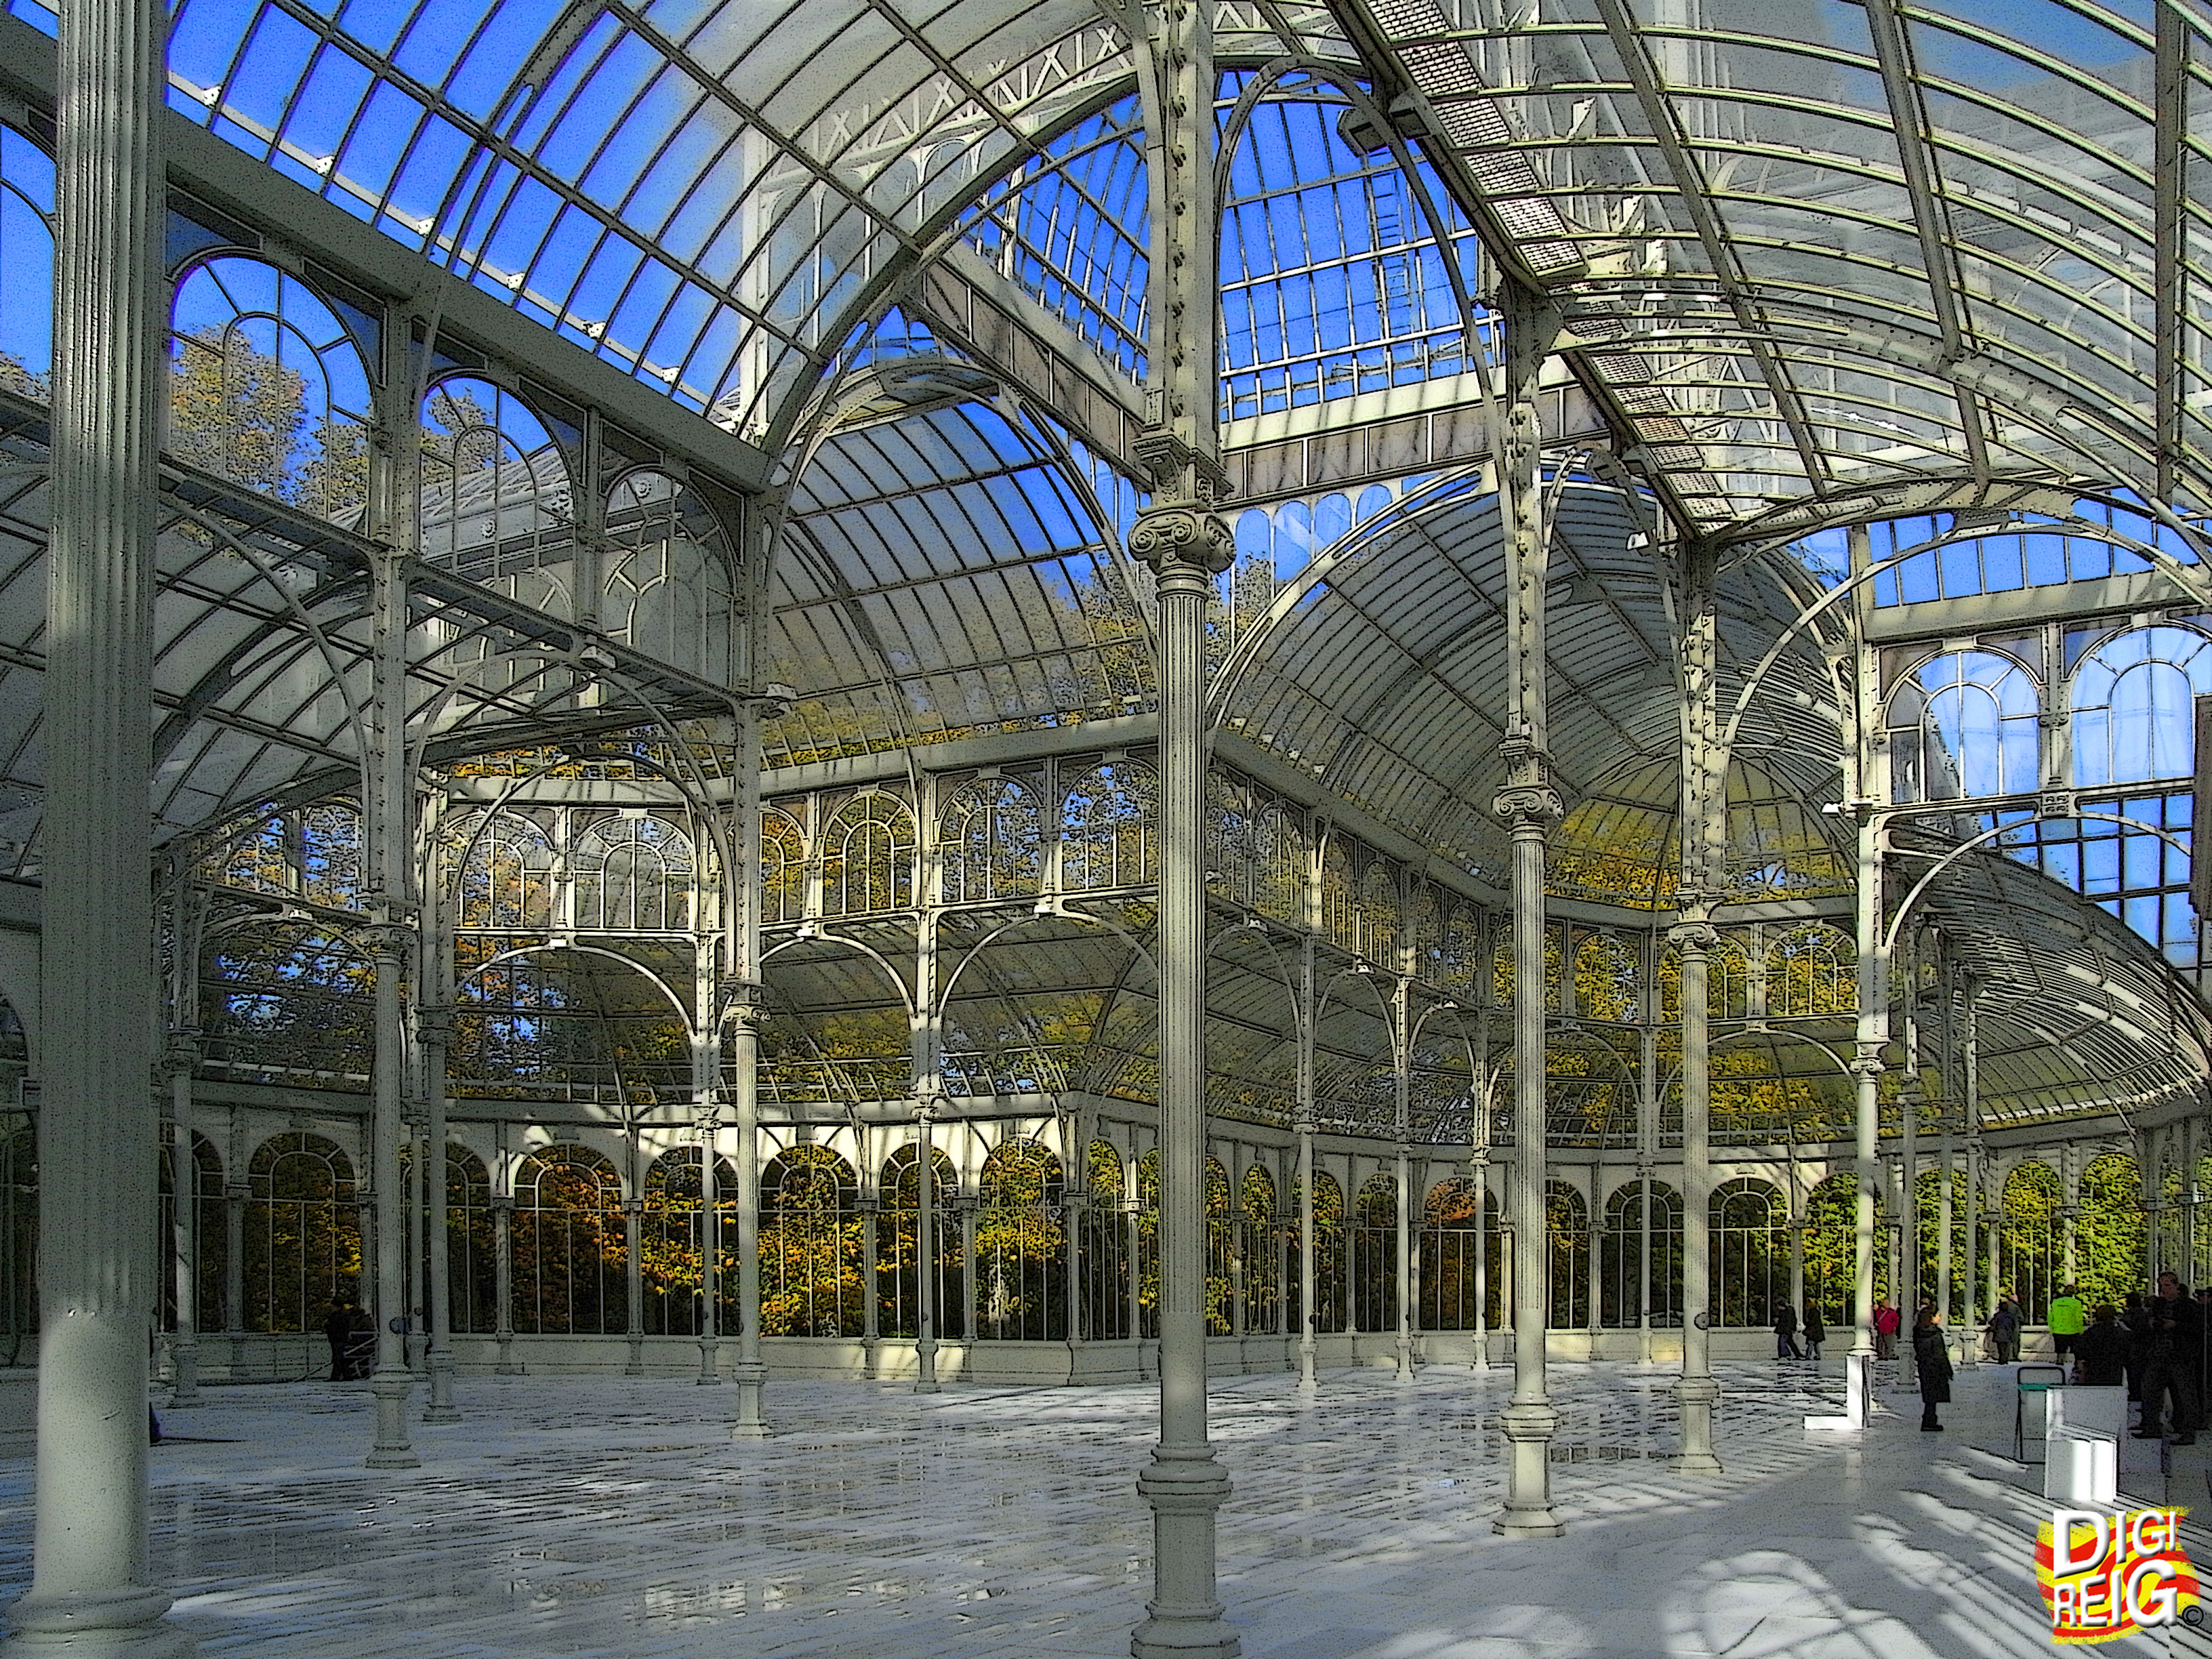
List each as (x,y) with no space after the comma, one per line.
(206,1247)
(1021,1272)
(570,1256)
(1374,1255)
(1109,828)
(313,852)
(1379,918)
(634,875)
(506,880)
(496,501)
(267,388)
(302,1234)
(810,1245)
(990,842)
(1567,1232)
(472,1243)
(1458,1232)
(867,857)
(2030,1238)
(1258,1289)
(898,1259)
(1607,978)
(1463,948)
(783,868)
(2111,1238)
(1103,1271)
(2134,702)
(1831,1250)
(1811,970)
(1279,857)
(671,1241)
(1624,1289)
(1962,727)
(26,254)
(1340,921)
(670,587)
(1328,1255)
(1750,1224)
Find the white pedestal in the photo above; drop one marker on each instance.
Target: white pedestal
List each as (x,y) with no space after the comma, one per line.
(2080,1469)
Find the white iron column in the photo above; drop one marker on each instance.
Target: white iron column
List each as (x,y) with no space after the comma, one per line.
(925,1238)
(435,1025)
(632,1215)
(182,1060)
(1187,543)
(709,1125)
(1478,1172)
(1528,804)
(1302,1127)
(1866,1068)
(1697,1391)
(750,1370)
(1400,1016)
(99,1269)
(503,1270)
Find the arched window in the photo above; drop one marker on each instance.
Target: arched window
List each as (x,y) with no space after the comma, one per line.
(1108,1226)
(1608,980)
(1459,1231)
(313,853)
(2028,1260)
(506,879)
(867,857)
(1379,917)
(990,841)
(1223,1241)
(472,1243)
(2110,1239)
(1021,1271)
(26,254)
(672,1232)
(1259,1290)
(267,388)
(286,999)
(1462,951)
(1340,922)
(810,1245)
(1567,1232)
(1963,727)
(2133,703)
(302,1234)
(1832,1249)
(1811,970)
(1728,982)
(206,1247)
(634,875)
(669,590)
(1328,1255)
(1374,1255)
(1750,1222)
(1109,828)
(1624,1288)
(496,498)
(783,868)
(898,1275)
(570,1258)
(1278,862)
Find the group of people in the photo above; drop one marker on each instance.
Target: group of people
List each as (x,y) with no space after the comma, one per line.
(2156,1344)
(1786,1327)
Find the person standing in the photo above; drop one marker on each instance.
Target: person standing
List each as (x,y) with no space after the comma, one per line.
(2169,1367)
(1816,1332)
(2067,1319)
(1785,1333)
(1887,1319)
(338,1326)
(2101,1351)
(2135,1321)
(1932,1359)
(2004,1329)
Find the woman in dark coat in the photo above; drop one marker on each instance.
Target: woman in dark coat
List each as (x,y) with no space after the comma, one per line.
(1932,1357)
(1785,1333)
(1816,1330)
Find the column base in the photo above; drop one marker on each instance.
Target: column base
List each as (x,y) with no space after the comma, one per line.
(441,1408)
(392,1449)
(1696,1395)
(710,1362)
(184,1373)
(751,1422)
(1185,1488)
(77,1624)
(635,1366)
(1529,1426)
(925,1358)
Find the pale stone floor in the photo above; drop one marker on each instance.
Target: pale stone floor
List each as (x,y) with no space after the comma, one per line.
(577,1516)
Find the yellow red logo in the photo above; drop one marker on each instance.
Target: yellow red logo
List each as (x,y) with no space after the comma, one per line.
(2108,1576)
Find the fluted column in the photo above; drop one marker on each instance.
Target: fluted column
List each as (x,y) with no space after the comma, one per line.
(710,1245)
(1302,1127)
(390,944)
(1697,1392)
(925,1240)
(434,1025)
(632,1215)
(1478,1171)
(181,1060)
(749,1373)
(98,1126)
(502,1269)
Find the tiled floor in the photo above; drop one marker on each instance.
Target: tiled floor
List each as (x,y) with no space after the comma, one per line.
(589,1517)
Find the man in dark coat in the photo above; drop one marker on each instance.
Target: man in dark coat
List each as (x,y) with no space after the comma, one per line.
(338,1328)
(1816,1330)
(1785,1333)
(2170,1346)
(1932,1357)
(2101,1352)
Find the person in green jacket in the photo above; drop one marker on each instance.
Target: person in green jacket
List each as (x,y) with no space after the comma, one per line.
(2068,1318)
